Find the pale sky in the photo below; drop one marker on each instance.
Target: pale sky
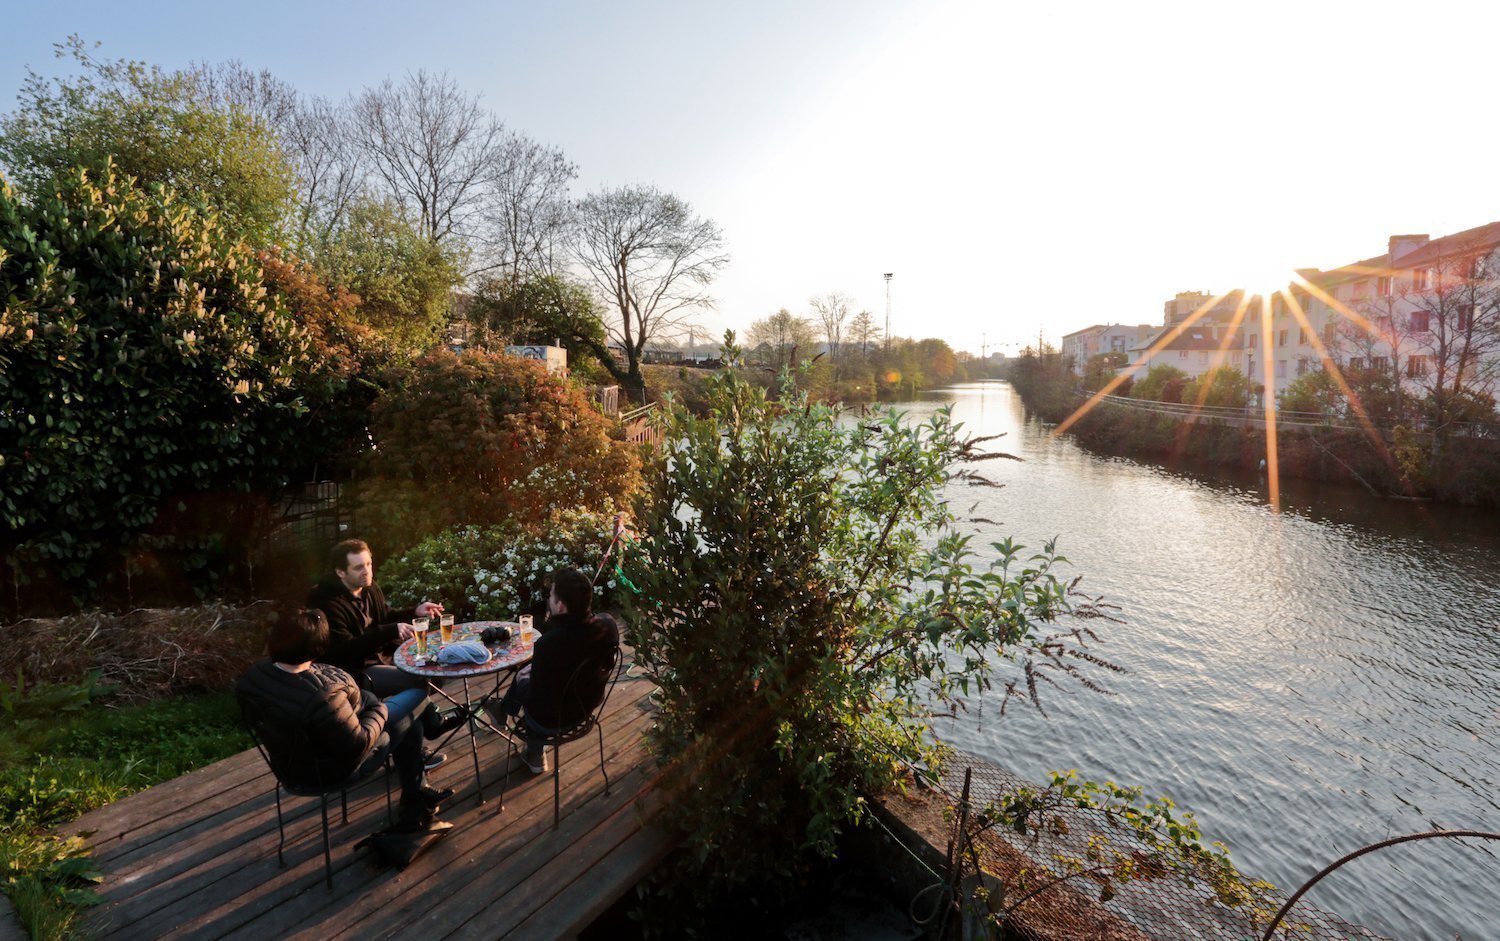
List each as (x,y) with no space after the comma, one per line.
(1018,167)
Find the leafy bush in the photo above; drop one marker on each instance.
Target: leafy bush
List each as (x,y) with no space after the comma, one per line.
(497,572)
(1314,392)
(1162,384)
(1226,387)
(483,438)
(146,382)
(804,605)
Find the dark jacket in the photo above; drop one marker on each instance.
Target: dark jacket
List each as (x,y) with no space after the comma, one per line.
(322,723)
(358,628)
(567,641)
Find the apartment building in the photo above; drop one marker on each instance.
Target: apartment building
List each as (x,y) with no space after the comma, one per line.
(1080,346)
(1194,344)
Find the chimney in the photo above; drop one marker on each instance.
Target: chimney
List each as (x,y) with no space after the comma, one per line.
(1401,245)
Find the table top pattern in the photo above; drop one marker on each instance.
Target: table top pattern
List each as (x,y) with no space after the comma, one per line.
(508,655)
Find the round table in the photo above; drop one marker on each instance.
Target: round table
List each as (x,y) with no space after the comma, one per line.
(508,657)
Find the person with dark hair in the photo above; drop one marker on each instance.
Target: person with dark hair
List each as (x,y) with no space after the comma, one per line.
(346,728)
(362,627)
(571,635)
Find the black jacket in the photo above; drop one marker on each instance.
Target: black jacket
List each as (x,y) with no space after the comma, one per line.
(567,641)
(322,723)
(358,628)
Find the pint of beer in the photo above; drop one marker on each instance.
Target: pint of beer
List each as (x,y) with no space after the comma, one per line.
(419,625)
(446,626)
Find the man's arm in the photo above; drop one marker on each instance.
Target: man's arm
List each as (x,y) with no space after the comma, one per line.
(348,649)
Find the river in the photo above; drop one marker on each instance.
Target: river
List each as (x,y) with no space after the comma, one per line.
(1306,680)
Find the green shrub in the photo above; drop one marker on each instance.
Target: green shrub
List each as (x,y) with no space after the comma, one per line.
(497,572)
(1226,387)
(805,604)
(1162,384)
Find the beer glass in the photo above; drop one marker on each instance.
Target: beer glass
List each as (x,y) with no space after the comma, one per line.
(446,627)
(528,633)
(419,626)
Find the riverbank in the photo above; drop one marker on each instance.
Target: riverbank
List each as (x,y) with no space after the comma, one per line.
(1391,465)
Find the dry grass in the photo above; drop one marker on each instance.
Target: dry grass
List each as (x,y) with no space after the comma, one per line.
(145,654)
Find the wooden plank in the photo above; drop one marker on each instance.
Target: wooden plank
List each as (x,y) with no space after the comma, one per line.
(388,907)
(148,808)
(598,886)
(186,903)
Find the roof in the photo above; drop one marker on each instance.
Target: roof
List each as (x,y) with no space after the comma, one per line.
(1196,337)
(1480,237)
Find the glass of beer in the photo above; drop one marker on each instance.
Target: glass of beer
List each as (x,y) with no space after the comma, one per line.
(528,633)
(419,625)
(446,626)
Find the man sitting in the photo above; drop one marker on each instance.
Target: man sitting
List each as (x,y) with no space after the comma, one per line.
(346,728)
(362,627)
(571,635)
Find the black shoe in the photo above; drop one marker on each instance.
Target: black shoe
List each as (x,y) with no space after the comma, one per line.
(431,759)
(448,723)
(432,797)
(414,818)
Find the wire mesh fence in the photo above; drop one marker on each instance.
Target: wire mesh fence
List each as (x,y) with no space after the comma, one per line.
(1080,872)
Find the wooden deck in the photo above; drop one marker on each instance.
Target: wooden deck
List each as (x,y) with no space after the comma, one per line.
(195,857)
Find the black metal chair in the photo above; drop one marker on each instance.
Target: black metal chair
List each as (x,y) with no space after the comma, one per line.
(610,668)
(276,742)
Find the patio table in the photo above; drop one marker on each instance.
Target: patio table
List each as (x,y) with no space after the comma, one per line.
(506,660)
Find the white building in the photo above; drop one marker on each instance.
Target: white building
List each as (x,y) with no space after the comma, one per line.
(1080,346)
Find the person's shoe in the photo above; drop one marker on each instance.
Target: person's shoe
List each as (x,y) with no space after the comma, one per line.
(432,797)
(449,722)
(431,759)
(538,765)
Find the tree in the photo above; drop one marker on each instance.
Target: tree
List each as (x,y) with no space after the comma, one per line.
(147,377)
(782,335)
(526,218)
(830,311)
(432,147)
(1162,384)
(156,126)
(404,281)
(653,260)
(1313,393)
(540,310)
(1220,387)
(1101,369)
(804,607)
(864,331)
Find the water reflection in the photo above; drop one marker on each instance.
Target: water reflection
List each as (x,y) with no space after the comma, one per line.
(1307,681)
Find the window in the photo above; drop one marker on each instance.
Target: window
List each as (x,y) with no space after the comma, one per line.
(1203,356)
(1356,362)
(1420,277)
(1328,329)
(1383,285)
(1421,321)
(1479,268)
(1418,366)
(1281,369)
(1250,342)
(1235,358)
(1382,363)
(1281,338)
(1304,364)
(1465,317)
(1302,337)
(1182,354)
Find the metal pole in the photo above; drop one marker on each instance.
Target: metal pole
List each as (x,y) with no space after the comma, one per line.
(888,276)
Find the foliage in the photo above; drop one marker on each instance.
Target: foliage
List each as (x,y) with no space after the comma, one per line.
(55,766)
(1220,387)
(1099,371)
(1161,384)
(1156,843)
(1313,392)
(143,365)
(155,126)
(539,311)
(404,281)
(782,339)
(497,572)
(804,603)
(482,438)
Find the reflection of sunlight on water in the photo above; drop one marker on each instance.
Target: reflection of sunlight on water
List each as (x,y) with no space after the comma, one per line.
(1307,682)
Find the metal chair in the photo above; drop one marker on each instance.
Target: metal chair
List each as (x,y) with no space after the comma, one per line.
(609,667)
(276,743)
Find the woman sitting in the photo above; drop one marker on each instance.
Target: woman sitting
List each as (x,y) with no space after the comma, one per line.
(343,729)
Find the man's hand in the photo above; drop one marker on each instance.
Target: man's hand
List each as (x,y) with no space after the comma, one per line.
(429,609)
(406,630)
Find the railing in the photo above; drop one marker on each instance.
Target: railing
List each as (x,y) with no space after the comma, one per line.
(639,429)
(1252,415)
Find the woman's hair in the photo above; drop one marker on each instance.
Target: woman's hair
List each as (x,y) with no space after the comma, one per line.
(574,590)
(302,638)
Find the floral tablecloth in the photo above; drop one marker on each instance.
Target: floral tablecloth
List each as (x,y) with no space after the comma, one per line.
(506,656)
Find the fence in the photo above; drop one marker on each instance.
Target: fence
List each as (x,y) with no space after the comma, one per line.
(1075,872)
(1254,417)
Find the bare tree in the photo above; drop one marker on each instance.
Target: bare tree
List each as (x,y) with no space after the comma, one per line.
(527,216)
(652,260)
(864,331)
(832,310)
(1454,319)
(431,146)
(781,335)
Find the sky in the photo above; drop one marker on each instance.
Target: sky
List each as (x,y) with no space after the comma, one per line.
(1022,170)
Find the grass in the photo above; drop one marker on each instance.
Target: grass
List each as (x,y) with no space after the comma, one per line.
(65,751)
